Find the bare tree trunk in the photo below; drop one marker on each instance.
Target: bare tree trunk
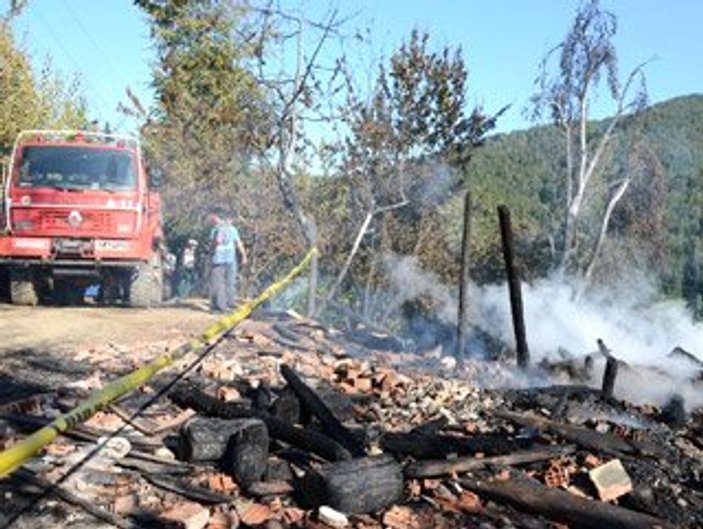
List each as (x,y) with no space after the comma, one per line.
(347,263)
(617,195)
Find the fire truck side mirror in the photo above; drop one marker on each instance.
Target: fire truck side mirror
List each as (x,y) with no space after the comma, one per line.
(156,177)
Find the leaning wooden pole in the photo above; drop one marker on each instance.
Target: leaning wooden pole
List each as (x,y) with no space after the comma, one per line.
(523,354)
(463,316)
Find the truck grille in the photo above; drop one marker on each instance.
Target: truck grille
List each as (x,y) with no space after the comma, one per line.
(93,221)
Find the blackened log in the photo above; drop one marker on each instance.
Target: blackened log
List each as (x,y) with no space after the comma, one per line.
(609,376)
(562,506)
(600,442)
(427,469)
(201,402)
(679,352)
(288,333)
(464,278)
(431,427)
(309,440)
(287,406)
(523,354)
(361,485)
(330,424)
(435,446)
(247,452)
(270,488)
(208,439)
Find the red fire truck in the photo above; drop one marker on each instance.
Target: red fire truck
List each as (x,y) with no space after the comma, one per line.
(77,211)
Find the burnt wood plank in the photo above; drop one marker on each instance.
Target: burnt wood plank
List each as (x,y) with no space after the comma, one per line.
(562,506)
(331,425)
(427,469)
(308,440)
(435,446)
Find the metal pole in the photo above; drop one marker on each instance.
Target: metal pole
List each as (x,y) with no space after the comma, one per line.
(523,354)
(462,318)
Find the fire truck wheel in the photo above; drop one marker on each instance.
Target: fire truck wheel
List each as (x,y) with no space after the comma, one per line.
(22,289)
(145,288)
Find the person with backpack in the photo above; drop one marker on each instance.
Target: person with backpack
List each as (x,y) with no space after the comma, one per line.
(225,241)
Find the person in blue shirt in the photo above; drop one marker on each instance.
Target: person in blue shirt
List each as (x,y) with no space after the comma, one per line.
(225,241)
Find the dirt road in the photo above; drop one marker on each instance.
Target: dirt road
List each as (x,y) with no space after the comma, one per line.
(42,347)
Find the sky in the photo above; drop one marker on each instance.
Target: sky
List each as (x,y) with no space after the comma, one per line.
(106,42)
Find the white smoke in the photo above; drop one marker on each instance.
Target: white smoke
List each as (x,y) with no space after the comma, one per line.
(409,281)
(637,328)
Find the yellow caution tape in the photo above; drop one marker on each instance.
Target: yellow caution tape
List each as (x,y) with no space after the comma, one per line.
(16,455)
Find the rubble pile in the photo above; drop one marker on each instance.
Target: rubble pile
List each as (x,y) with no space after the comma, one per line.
(289,424)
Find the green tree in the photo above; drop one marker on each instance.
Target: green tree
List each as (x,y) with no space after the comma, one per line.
(210,114)
(33,99)
(408,141)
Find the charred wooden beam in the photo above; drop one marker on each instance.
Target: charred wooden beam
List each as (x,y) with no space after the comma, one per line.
(431,427)
(358,486)
(331,425)
(609,376)
(428,469)
(523,354)
(186,489)
(463,319)
(600,442)
(433,446)
(562,506)
(309,440)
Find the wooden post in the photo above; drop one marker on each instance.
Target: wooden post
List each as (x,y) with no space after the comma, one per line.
(523,354)
(609,376)
(462,318)
(312,282)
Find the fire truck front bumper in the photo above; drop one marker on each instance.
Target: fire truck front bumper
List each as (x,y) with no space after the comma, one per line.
(57,250)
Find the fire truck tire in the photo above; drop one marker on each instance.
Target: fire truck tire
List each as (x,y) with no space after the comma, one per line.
(145,289)
(22,289)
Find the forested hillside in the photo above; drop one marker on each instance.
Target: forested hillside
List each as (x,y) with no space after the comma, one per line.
(657,225)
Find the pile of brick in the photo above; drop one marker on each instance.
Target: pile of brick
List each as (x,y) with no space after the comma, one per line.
(290,424)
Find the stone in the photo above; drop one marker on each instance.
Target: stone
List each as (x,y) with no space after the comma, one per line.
(611,480)
(332,517)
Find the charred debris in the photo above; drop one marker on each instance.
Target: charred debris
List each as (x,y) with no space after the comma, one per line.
(291,424)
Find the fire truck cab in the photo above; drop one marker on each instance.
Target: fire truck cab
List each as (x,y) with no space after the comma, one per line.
(77,211)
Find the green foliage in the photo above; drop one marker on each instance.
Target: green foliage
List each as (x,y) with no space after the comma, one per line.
(210,117)
(33,99)
(657,226)
(408,140)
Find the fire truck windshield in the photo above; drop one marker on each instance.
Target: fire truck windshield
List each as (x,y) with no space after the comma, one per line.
(77,168)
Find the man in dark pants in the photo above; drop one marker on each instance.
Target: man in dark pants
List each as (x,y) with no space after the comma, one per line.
(225,243)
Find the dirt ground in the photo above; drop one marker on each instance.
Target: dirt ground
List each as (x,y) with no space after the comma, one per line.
(62,328)
(42,347)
